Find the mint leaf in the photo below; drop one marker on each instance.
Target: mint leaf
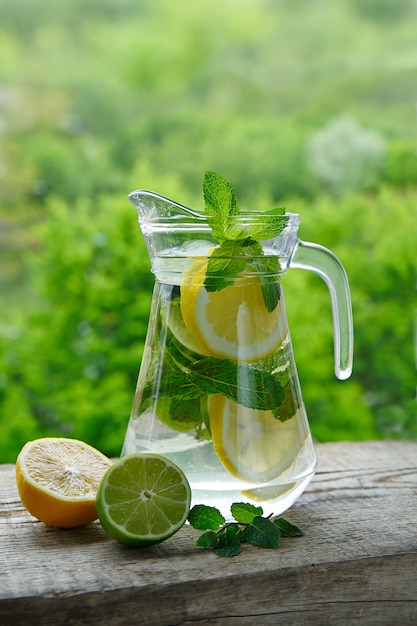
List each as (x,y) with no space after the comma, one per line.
(228,542)
(220,204)
(228,260)
(244,512)
(254,388)
(247,534)
(207,540)
(263,533)
(270,293)
(203,517)
(287,529)
(186,411)
(219,196)
(288,407)
(266,225)
(224,265)
(269,268)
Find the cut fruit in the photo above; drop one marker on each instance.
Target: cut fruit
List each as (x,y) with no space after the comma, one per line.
(233,322)
(143,499)
(58,478)
(265,494)
(252,444)
(180,331)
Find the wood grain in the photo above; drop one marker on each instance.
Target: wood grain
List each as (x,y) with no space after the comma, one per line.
(356,564)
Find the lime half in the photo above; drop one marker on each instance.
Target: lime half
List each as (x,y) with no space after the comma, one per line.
(143,499)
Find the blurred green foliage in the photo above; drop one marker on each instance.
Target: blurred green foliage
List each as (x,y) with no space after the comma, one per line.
(305,104)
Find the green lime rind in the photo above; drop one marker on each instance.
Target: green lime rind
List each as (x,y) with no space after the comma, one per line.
(143,499)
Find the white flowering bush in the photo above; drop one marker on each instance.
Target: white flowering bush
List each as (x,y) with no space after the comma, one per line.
(345,156)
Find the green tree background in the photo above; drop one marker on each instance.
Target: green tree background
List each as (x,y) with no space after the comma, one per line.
(306,104)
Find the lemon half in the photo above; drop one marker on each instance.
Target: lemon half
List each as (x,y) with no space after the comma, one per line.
(58,478)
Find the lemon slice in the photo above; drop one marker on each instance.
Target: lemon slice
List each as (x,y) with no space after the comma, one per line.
(180,331)
(233,322)
(252,444)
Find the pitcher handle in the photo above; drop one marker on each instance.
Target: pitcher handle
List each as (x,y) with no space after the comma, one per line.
(311,256)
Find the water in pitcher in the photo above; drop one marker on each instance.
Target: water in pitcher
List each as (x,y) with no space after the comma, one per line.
(218,391)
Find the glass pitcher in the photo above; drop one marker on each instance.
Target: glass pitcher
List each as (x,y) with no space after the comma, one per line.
(218,391)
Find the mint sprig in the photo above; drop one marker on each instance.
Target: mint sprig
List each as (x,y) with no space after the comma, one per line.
(240,239)
(250,526)
(188,377)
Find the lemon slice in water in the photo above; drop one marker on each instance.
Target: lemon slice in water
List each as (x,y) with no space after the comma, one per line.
(252,444)
(233,322)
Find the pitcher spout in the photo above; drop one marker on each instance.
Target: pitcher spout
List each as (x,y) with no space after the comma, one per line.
(156,209)
(172,229)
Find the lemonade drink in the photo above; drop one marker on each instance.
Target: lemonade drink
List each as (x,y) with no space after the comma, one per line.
(218,392)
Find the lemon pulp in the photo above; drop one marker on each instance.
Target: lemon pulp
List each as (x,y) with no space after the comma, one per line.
(57,480)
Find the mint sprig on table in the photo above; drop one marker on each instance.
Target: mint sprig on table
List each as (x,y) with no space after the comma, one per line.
(225,538)
(240,240)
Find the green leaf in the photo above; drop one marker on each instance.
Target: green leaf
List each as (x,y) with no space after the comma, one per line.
(228,260)
(271,293)
(287,529)
(188,410)
(220,204)
(203,517)
(228,542)
(263,533)
(224,265)
(269,269)
(254,389)
(207,540)
(244,512)
(288,407)
(193,378)
(219,196)
(187,379)
(269,224)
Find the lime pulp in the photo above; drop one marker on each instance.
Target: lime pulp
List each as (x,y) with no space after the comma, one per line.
(143,499)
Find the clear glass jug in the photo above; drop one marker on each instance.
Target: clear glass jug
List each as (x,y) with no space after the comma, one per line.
(218,391)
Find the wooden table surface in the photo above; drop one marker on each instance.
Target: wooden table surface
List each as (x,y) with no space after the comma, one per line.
(355,564)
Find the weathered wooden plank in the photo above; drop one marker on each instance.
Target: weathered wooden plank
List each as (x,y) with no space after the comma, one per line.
(325,594)
(356,561)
